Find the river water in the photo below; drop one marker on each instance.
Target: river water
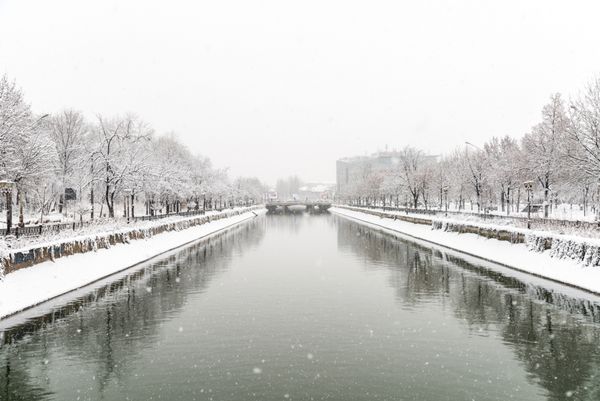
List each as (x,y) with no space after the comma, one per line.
(309,307)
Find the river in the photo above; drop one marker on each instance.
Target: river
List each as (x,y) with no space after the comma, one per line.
(308,307)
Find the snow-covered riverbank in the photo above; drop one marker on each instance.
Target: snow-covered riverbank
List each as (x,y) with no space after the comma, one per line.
(31,286)
(515,256)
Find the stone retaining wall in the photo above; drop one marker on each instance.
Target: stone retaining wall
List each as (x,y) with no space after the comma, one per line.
(582,250)
(21,259)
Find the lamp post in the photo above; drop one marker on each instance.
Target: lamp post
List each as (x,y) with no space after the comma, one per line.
(43,205)
(6,187)
(598,201)
(126,191)
(445,189)
(475,146)
(529,187)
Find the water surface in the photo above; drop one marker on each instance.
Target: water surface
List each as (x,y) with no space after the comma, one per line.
(309,307)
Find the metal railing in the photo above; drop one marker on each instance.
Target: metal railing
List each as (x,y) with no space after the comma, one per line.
(520,221)
(39,229)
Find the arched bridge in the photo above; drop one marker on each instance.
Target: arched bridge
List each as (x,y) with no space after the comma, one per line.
(286,206)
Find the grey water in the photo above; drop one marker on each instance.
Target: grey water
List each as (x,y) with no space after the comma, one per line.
(308,307)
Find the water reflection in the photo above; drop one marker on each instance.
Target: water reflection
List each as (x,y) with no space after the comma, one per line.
(274,310)
(555,336)
(112,326)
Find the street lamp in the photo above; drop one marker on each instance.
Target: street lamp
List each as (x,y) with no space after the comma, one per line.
(445,189)
(598,201)
(6,187)
(475,146)
(126,191)
(40,119)
(529,187)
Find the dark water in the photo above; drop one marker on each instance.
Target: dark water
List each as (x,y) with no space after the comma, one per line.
(309,308)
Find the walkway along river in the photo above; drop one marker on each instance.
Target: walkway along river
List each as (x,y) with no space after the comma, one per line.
(309,307)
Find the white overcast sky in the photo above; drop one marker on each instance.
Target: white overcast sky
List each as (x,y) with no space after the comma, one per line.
(273,88)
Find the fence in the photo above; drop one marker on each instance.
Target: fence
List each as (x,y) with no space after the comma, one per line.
(32,231)
(518,221)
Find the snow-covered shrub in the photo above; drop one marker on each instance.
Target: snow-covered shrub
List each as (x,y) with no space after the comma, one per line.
(583,250)
(501,233)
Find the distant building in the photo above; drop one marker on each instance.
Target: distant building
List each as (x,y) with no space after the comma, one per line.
(316,191)
(351,170)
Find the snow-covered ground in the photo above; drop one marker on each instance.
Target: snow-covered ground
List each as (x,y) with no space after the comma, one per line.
(515,256)
(28,287)
(99,228)
(563,211)
(514,220)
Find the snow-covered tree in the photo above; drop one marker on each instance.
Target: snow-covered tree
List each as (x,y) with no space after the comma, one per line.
(409,170)
(503,155)
(121,152)
(68,131)
(542,146)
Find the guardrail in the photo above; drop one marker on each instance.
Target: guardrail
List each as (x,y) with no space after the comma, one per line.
(39,229)
(518,221)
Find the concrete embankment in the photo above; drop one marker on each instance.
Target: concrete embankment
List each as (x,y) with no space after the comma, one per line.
(579,249)
(565,259)
(39,253)
(27,287)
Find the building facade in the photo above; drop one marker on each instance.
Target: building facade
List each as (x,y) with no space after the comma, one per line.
(353,171)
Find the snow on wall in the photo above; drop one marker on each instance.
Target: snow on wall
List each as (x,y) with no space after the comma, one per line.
(14,259)
(585,251)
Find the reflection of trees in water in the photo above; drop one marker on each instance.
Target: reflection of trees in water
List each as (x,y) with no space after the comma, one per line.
(110,326)
(554,335)
(16,385)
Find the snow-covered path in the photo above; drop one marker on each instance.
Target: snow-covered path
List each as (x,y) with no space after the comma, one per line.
(515,256)
(31,286)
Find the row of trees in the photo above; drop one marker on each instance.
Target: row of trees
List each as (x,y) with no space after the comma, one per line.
(559,157)
(48,161)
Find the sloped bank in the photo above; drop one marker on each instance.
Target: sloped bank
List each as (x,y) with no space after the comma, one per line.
(28,287)
(569,260)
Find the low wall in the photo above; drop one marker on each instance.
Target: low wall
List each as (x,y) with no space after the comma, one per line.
(38,254)
(393,216)
(514,237)
(583,250)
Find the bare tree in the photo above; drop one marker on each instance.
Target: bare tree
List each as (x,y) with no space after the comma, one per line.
(121,151)
(542,146)
(409,169)
(503,169)
(68,130)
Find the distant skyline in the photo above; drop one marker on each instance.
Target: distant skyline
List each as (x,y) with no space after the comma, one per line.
(274,88)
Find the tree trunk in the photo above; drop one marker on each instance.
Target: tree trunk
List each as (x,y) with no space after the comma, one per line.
(20,201)
(546,185)
(92,202)
(546,205)
(61,202)
(8,211)
(110,204)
